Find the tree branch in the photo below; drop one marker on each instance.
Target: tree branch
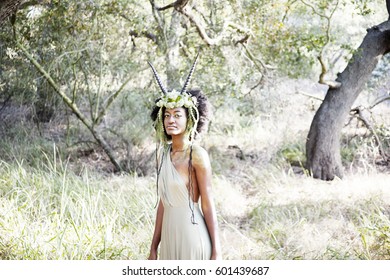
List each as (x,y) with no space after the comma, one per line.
(160,20)
(324,70)
(383,99)
(108,102)
(90,125)
(201,31)
(310,95)
(145,34)
(179,4)
(166,7)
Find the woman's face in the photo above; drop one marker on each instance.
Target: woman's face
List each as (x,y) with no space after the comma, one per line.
(175,121)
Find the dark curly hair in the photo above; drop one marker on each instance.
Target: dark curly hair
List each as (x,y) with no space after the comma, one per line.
(203,107)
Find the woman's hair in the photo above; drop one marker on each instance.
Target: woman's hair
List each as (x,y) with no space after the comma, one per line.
(203,107)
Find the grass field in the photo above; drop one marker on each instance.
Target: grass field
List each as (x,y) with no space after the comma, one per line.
(268,208)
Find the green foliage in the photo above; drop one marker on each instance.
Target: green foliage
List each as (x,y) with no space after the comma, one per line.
(380,245)
(348,154)
(375,236)
(294,154)
(363,7)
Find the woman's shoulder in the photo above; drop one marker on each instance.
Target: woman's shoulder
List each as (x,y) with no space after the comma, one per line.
(199,150)
(200,157)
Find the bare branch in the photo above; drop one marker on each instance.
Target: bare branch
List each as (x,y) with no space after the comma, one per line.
(383,99)
(109,101)
(361,114)
(201,30)
(310,95)
(243,40)
(256,60)
(259,83)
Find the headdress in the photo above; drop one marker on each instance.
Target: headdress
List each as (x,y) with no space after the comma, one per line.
(175,99)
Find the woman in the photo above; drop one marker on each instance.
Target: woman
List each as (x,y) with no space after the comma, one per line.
(183,229)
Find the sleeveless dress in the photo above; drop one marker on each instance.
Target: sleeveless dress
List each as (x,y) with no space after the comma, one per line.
(180,238)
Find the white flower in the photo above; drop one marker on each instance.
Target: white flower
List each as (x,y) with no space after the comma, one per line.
(34,12)
(11,53)
(170,105)
(180,103)
(160,103)
(174,99)
(187,104)
(173,95)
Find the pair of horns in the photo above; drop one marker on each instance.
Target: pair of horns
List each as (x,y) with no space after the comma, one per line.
(159,82)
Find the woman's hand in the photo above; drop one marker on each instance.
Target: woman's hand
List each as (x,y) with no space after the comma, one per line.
(215,256)
(152,255)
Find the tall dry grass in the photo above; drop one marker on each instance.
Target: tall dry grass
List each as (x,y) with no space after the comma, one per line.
(52,213)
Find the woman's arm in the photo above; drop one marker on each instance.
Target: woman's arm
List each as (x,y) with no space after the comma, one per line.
(202,166)
(157,232)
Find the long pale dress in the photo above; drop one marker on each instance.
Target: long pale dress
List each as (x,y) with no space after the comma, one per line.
(180,238)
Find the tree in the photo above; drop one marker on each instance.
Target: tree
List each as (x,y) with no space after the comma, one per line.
(323,141)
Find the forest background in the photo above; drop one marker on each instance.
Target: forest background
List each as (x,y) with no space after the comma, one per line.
(77,147)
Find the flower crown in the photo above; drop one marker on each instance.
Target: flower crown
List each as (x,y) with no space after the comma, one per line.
(175,99)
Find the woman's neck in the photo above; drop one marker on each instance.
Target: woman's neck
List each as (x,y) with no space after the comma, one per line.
(179,144)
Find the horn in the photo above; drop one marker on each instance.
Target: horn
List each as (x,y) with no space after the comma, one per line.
(190,74)
(158,79)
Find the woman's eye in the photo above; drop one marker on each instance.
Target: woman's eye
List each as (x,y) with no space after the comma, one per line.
(177,116)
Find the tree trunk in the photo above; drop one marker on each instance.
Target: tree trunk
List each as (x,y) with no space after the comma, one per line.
(8,8)
(323,142)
